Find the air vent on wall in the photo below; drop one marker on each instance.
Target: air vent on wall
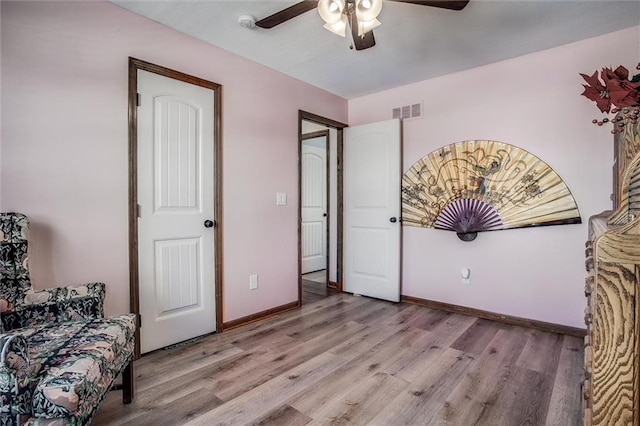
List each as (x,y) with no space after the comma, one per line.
(408,112)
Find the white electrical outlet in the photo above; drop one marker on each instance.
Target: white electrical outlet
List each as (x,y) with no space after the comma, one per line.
(281,198)
(465,276)
(253,282)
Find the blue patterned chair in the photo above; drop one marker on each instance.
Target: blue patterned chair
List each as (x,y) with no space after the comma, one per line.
(59,356)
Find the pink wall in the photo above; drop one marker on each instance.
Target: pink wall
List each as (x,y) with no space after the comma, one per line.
(532,102)
(64,147)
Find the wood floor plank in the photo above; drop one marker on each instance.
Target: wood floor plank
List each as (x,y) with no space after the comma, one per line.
(453,325)
(485,380)
(170,372)
(313,291)
(430,345)
(190,351)
(364,340)
(179,410)
(362,402)
(565,402)
(284,415)
(541,352)
(477,337)
(403,316)
(523,400)
(428,319)
(425,397)
(382,311)
(259,401)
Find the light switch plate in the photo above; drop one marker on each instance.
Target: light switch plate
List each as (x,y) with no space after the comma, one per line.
(281,198)
(253,282)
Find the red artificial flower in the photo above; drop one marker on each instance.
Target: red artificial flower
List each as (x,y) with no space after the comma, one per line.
(596,91)
(614,90)
(621,73)
(620,94)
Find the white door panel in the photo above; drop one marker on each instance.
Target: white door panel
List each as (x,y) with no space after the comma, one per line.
(372,242)
(176,195)
(314,204)
(177,154)
(177,282)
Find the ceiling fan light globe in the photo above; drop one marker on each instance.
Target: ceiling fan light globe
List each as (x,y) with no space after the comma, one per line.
(366,26)
(338,28)
(368,10)
(331,10)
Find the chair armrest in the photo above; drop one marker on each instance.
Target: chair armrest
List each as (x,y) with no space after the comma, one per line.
(74,309)
(16,372)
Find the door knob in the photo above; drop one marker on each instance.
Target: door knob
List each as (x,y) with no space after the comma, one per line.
(324,215)
(393,220)
(209,223)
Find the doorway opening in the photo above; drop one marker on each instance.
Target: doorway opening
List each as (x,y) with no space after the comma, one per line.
(319,207)
(316,180)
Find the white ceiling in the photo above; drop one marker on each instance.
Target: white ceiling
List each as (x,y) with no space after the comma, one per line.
(413,43)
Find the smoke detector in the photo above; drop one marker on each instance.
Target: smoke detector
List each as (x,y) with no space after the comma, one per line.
(247,21)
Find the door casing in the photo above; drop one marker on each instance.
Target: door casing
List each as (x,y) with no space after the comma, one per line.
(134,66)
(308,116)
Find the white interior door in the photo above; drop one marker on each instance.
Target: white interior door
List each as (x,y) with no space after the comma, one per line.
(372,206)
(176,197)
(314,204)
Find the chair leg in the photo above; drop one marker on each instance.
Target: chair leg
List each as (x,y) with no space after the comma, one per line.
(127,384)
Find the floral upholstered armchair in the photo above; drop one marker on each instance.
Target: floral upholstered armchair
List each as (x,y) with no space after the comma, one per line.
(19,303)
(59,356)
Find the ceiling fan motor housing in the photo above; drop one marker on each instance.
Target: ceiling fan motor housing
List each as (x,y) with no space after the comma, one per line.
(247,21)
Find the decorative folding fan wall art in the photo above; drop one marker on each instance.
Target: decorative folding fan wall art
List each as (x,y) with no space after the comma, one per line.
(481,185)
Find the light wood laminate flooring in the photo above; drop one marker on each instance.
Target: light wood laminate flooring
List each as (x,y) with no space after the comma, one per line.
(347,360)
(313,291)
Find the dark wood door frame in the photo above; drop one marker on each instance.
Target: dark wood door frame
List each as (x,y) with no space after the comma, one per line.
(338,126)
(134,282)
(304,137)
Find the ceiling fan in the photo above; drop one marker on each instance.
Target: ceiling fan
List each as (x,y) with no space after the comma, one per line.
(359,15)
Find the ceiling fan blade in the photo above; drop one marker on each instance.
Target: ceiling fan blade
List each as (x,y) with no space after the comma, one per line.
(286,14)
(444,4)
(360,42)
